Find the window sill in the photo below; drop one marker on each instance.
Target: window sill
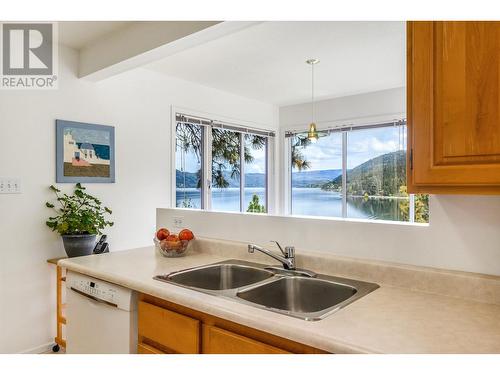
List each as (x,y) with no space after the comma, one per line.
(306,217)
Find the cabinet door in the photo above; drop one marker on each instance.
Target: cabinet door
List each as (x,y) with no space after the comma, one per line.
(453,107)
(220,341)
(143,348)
(176,332)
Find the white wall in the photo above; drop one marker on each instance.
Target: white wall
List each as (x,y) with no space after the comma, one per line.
(361,109)
(138,104)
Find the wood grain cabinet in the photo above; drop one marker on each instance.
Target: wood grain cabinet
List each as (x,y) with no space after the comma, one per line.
(219,341)
(453,107)
(170,331)
(168,328)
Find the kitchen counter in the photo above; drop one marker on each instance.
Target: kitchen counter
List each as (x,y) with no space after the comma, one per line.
(392,319)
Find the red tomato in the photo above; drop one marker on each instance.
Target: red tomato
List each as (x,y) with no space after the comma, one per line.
(173,238)
(186,235)
(162,233)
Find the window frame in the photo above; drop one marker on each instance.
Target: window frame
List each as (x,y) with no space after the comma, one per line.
(206,162)
(287,149)
(173,174)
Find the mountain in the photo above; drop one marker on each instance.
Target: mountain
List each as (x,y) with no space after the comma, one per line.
(314,178)
(380,175)
(186,179)
(383,174)
(191,179)
(299,179)
(255,180)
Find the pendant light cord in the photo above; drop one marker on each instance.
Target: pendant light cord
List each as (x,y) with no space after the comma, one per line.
(312,93)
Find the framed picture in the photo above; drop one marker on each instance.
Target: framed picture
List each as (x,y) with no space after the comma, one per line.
(84,152)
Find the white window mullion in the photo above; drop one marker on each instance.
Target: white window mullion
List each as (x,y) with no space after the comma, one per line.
(242,172)
(173,180)
(268,183)
(207,168)
(344,174)
(287,182)
(411,213)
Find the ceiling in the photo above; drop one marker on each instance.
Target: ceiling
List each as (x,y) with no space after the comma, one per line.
(267,61)
(79,34)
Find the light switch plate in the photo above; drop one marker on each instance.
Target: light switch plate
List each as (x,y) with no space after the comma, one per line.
(10,185)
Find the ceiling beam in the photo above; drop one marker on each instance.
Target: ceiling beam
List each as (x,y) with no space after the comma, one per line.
(142,43)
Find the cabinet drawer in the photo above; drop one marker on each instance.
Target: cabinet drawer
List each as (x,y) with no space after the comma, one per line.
(174,331)
(220,341)
(143,348)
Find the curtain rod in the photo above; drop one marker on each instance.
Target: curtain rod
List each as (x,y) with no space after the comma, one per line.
(402,122)
(202,121)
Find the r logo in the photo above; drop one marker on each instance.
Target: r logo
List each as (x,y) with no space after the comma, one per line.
(27,49)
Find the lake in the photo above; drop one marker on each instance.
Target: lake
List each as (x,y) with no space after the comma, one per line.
(305,201)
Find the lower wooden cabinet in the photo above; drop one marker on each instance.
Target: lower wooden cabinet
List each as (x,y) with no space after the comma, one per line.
(176,332)
(168,328)
(220,341)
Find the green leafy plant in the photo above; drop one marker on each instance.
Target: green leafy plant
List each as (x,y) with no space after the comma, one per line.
(255,205)
(421,206)
(79,213)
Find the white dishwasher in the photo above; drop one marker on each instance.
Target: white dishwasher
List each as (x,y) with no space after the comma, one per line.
(101,317)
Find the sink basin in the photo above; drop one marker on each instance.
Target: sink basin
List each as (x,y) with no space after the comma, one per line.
(288,292)
(298,294)
(219,276)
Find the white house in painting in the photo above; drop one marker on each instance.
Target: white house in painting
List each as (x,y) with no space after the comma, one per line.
(81,156)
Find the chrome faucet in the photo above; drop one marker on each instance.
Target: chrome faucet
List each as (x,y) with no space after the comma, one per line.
(288,258)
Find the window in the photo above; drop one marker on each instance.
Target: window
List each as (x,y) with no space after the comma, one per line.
(188,165)
(314,165)
(226,170)
(255,173)
(234,178)
(354,173)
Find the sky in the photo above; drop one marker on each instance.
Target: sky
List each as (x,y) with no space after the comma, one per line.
(362,145)
(326,153)
(96,137)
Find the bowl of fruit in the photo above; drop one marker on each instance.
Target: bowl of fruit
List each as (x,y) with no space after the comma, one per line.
(172,245)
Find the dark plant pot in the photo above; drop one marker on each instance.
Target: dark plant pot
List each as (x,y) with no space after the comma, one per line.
(77,245)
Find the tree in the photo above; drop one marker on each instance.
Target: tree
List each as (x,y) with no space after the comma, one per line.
(371,185)
(421,206)
(226,150)
(298,160)
(255,205)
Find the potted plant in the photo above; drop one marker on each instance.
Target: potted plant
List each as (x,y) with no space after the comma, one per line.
(80,218)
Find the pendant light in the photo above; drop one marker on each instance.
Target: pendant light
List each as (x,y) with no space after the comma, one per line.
(312,133)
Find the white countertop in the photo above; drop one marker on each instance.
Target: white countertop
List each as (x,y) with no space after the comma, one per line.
(388,320)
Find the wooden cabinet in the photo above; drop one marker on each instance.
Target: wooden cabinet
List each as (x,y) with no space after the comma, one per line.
(176,332)
(453,107)
(168,328)
(143,348)
(220,341)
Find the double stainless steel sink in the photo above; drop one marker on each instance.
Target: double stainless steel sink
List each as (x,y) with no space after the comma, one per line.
(301,294)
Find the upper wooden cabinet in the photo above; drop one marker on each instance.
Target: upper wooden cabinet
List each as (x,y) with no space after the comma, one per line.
(453,107)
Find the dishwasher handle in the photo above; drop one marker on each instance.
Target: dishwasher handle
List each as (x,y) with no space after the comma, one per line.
(96,299)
